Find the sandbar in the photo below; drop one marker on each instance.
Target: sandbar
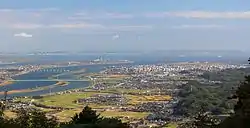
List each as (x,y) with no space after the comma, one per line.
(6,83)
(59,83)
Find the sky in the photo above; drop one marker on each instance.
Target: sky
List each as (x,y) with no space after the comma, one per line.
(124,25)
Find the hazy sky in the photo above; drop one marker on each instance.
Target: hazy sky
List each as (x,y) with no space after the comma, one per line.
(79,25)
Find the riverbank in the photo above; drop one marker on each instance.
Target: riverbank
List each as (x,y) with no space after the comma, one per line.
(4,83)
(17,91)
(59,83)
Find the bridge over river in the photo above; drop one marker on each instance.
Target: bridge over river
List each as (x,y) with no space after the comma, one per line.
(67,80)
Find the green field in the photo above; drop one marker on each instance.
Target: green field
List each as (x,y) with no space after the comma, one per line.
(171,125)
(65,100)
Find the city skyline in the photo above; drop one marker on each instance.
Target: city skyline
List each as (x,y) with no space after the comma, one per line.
(117,25)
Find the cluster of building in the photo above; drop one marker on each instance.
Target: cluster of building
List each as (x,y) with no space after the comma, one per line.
(7,73)
(162,79)
(15,106)
(171,68)
(107,99)
(164,75)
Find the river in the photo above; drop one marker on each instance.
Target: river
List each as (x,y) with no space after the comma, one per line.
(45,74)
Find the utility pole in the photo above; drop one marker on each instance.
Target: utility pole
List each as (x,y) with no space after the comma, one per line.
(50,91)
(5,99)
(122,98)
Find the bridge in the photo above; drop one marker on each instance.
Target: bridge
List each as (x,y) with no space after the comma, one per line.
(52,80)
(54,70)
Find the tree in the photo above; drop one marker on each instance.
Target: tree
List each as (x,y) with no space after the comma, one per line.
(87,116)
(241,116)
(111,123)
(201,120)
(1,110)
(102,123)
(1,114)
(29,119)
(34,119)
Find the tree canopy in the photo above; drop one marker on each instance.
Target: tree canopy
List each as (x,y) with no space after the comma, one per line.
(241,116)
(88,118)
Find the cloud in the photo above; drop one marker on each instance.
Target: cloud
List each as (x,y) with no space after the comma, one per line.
(101,26)
(27,26)
(28,18)
(80,18)
(207,26)
(44,26)
(95,20)
(25,35)
(119,15)
(131,27)
(29,10)
(115,37)
(203,14)
(77,25)
(82,25)
(46,9)
(6,10)
(83,15)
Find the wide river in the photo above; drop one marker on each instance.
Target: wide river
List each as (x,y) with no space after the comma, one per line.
(44,74)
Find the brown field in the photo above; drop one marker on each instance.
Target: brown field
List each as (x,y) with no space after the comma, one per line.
(134,99)
(117,76)
(10,114)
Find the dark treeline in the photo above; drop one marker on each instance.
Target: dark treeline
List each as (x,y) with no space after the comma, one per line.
(239,118)
(195,96)
(212,97)
(88,118)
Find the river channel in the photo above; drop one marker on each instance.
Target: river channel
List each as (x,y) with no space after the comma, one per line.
(36,80)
